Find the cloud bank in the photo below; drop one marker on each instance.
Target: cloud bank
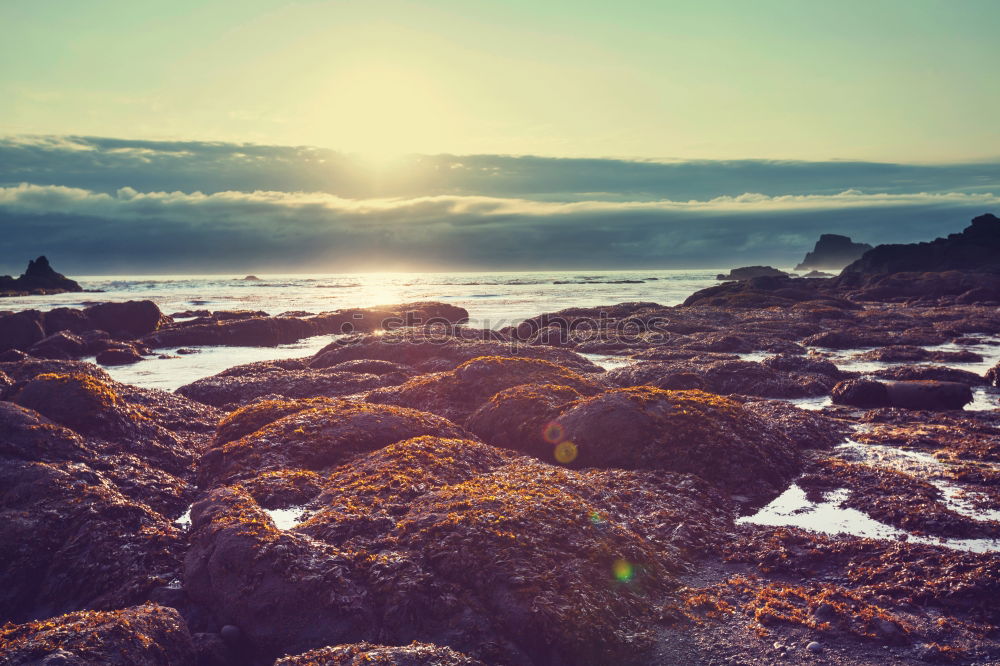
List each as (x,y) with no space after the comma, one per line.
(108,206)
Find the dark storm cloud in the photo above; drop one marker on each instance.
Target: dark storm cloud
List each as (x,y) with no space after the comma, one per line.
(88,231)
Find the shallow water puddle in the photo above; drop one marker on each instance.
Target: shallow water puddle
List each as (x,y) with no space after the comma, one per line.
(184,522)
(286,519)
(793,509)
(926,467)
(608,361)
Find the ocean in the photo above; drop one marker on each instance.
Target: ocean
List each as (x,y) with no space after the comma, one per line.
(493,299)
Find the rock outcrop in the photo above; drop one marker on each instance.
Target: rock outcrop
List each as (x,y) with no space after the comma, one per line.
(150,635)
(976,249)
(748,272)
(916,394)
(832,252)
(38,278)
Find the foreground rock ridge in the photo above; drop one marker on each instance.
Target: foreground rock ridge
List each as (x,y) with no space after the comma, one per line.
(629,484)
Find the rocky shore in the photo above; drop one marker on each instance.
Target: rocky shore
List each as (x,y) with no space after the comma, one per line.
(780,470)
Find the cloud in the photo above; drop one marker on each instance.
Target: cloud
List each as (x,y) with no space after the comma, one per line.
(105,164)
(130,230)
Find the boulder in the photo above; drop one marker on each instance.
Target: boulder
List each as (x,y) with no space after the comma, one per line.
(61,345)
(20,330)
(832,252)
(930,395)
(119,355)
(150,635)
(455,394)
(128,319)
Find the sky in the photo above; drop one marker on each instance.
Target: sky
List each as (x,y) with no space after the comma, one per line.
(444,134)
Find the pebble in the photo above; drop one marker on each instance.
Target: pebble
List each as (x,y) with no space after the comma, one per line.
(814,647)
(231,634)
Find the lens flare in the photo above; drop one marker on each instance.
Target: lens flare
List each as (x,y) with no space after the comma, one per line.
(566,452)
(623,570)
(554,433)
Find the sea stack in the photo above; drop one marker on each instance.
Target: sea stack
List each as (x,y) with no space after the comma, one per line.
(38,278)
(832,252)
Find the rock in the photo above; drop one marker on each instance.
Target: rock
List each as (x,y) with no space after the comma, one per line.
(251,278)
(817,274)
(748,272)
(929,373)
(70,539)
(932,395)
(211,650)
(243,384)
(832,252)
(119,355)
(814,647)
(864,393)
(727,377)
(38,278)
(455,394)
(128,319)
(431,352)
(271,331)
(453,542)
(901,353)
(66,319)
(414,654)
(148,634)
(648,429)
(61,345)
(993,375)
(318,438)
(81,402)
(232,635)
(20,330)
(976,249)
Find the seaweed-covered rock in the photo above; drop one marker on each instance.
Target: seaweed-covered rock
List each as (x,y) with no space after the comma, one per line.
(319,438)
(291,379)
(929,373)
(363,654)
(150,635)
(458,544)
(645,428)
(727,377)
(455,394)
(81,402)
(748,272)
(993,375)
(256,415)
(430,351)
(906,353)
(70,540)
